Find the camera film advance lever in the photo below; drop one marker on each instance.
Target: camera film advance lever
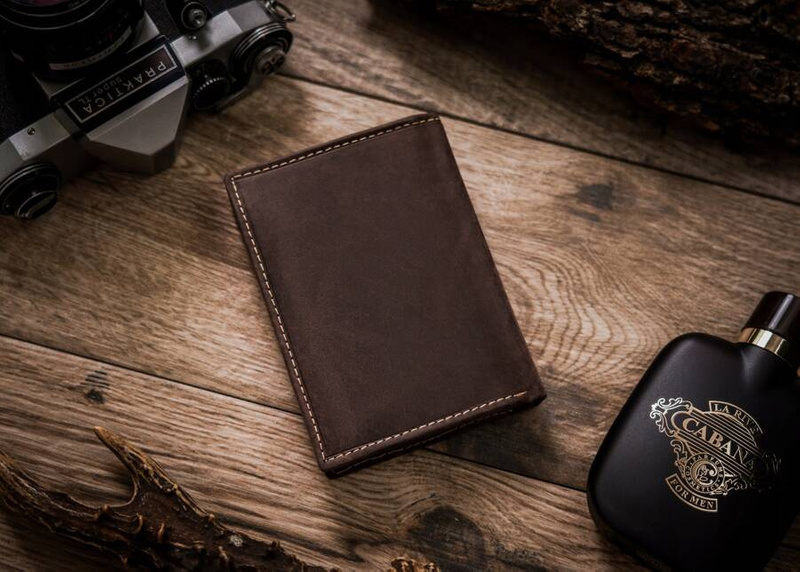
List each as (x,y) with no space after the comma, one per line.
(112,80)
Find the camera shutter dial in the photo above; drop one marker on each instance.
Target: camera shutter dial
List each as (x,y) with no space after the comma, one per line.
(210,85)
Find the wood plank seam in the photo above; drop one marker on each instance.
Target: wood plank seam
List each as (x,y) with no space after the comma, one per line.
(420,445)
(540,139)
(234,397)
(155,375)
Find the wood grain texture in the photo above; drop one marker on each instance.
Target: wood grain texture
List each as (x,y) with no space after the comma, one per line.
(249,465)
(501,73)
(603,264)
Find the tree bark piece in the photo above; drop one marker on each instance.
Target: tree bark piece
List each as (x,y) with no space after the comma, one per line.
(160,527)
(730,67)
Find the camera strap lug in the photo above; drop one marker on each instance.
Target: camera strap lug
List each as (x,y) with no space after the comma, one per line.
(280,11)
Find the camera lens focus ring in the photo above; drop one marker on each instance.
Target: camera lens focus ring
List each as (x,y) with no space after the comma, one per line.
(67,40)
(30,192)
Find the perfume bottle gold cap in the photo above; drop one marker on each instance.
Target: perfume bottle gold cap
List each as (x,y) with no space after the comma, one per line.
(775,326)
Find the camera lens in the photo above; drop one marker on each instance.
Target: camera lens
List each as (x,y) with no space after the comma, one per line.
(30,192)
(63,39)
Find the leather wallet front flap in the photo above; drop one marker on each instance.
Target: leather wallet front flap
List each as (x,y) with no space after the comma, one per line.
(389,311)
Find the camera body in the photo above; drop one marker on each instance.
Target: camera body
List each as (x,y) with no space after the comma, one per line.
(122,95)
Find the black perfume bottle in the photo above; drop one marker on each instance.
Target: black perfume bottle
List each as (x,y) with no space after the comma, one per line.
(701,469)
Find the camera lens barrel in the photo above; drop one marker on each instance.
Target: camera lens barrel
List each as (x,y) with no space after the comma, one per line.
(63,39)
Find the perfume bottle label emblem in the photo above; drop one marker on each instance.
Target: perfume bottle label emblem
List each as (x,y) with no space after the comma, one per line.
(716,451)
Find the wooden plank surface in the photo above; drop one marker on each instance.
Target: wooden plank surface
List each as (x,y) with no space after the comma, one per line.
(239,460)
(603,263)
(501,73)
(250,466)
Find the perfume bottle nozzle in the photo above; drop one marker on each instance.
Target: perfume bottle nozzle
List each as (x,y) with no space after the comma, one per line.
(775,326)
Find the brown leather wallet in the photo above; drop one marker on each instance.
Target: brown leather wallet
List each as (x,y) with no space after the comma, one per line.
(389,311)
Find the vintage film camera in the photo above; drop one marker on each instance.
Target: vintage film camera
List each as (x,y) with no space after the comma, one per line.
(112,80)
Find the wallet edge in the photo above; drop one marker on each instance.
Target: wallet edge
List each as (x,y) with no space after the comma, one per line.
(348,459)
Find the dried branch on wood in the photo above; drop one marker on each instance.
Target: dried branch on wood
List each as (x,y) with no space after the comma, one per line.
(160,527)
(408,565)
(732,67)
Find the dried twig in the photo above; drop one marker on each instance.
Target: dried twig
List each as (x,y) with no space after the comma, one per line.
(160,527)
(408,565)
